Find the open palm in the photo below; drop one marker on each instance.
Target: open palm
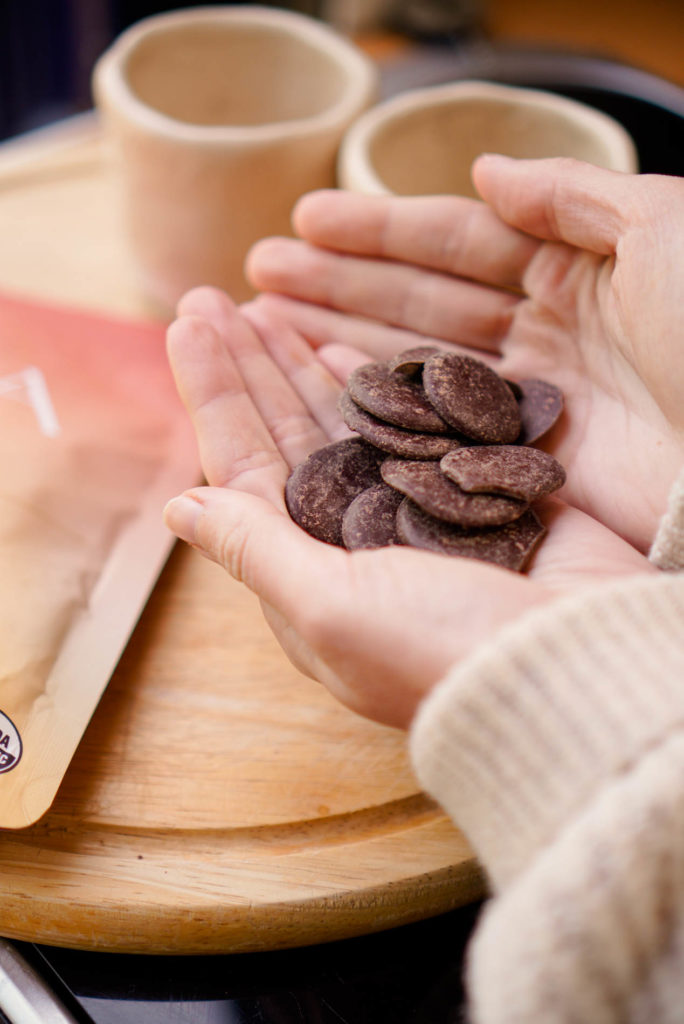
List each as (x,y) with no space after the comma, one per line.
(554,278)
(379,628)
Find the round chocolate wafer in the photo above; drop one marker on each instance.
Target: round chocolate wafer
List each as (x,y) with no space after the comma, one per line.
(540,407)
(524,473)
(320,489)
(370,520)
(393,398)
(394,440)
(410,362)
(428,487)
(472,397)
(509,546)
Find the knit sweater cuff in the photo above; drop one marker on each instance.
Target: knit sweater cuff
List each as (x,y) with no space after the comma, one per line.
(667,551)
(518,739)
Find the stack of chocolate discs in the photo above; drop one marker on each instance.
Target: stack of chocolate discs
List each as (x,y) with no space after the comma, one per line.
(442,461)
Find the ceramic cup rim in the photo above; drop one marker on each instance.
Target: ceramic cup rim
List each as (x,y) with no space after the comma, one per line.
(354,155)
(112,88)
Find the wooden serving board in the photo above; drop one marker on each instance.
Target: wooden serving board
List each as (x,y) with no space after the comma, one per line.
(219,801)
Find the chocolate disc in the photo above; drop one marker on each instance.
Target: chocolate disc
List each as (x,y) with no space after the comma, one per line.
(540,406)
(394,398)
(509,546)
(370,520)
(472,398)
(406,443)
(524,473)
(319,490)
(411,361)
(428,487)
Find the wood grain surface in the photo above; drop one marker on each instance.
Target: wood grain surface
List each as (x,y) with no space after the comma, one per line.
(219,800)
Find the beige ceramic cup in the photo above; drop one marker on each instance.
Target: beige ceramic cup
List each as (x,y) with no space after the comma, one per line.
(221,118)
(424,141)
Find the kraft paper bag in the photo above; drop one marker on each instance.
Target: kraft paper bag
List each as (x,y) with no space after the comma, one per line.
(93,442)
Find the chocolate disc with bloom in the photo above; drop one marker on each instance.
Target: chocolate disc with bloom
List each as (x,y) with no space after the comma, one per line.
(427,486)
(525,473)
(370,520)
(412,360)
(320,489)
(409,444)
(394,398)
(510,546)
(472,397)
(540,405)
(442,461)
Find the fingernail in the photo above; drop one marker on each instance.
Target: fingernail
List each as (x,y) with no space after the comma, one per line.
(181,515)
(503,157)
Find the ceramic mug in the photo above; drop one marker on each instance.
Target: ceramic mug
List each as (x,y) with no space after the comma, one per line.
(424,141)
(221,118)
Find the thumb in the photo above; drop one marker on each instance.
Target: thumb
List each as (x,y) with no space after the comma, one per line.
(256,543)
(560,199)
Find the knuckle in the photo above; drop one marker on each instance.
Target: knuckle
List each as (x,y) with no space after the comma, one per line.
(254,462)
(295,426)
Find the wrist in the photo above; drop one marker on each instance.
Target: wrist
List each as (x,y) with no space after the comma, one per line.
(667,550)
(518,738)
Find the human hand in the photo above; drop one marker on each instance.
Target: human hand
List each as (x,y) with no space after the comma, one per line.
(570,273)
(378,628)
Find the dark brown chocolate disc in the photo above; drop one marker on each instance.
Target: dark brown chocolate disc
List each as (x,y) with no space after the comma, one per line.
(524,473)
(509,546)
(394,398)
(540,406)
(428,487)
(411,361)
(370,520)
(319,490)
(394,440)
(472,397)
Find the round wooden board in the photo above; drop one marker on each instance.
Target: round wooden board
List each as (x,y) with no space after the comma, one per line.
(219,801)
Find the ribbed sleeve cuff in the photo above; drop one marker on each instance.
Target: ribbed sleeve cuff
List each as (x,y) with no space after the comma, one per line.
(667,551)
(520,736)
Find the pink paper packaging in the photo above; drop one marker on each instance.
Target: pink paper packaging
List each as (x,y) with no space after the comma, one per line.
(93,442)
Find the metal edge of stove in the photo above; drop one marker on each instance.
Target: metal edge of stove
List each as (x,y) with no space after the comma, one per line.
(25,995)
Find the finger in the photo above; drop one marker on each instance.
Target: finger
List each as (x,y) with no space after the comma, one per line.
(339,633)
(343,342)
(288,570)
(320,328)
(308,375)
(256,543)
(262,548)
(404,296)
(448,233)
(236,447)
(288,420)
(341,360)
(560,199)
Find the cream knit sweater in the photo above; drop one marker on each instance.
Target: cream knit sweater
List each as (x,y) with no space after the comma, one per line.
(559,751)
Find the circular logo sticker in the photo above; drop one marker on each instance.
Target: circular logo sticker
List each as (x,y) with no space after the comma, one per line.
(10,744)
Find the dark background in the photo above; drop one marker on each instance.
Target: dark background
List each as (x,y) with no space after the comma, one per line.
(48,48)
